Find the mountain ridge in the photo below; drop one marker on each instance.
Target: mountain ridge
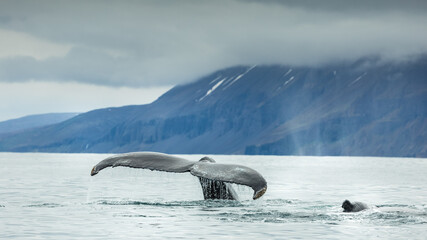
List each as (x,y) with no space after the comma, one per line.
(361,109)
(33,121)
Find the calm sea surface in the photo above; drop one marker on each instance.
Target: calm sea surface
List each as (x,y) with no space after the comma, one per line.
(53,196)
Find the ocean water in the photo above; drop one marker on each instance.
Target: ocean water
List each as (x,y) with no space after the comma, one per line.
(53,196)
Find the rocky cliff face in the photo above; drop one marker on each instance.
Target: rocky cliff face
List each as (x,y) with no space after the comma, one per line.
(368,108)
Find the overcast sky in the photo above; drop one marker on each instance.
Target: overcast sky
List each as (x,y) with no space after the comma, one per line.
(62,56)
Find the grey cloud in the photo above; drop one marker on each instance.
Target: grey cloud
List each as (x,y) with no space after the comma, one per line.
(96,67)
(362,7)
(5,19)
(140,43)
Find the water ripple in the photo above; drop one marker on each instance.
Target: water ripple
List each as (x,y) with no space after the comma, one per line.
(197,203)
(46,205)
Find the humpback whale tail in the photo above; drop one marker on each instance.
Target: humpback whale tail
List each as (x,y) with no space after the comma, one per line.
(214,178)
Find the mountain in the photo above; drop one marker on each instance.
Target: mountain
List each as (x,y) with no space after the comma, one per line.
(365,108)
(33,121)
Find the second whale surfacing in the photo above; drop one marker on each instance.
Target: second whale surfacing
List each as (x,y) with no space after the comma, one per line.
(353,207)
(215,178)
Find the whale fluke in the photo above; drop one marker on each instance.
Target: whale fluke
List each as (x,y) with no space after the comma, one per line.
(213,177)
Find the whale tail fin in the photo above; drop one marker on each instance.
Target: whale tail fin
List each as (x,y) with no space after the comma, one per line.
(230,173)
(213,189)
(145,160)
(215,178)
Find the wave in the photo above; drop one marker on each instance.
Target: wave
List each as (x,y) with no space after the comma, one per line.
(272,211)
(196,203)
(47,205)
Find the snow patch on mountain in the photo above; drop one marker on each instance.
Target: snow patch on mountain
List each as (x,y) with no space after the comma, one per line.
(216,79)
(290,80)
(212,89)
(289,71)
(238,77)
(358,78)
